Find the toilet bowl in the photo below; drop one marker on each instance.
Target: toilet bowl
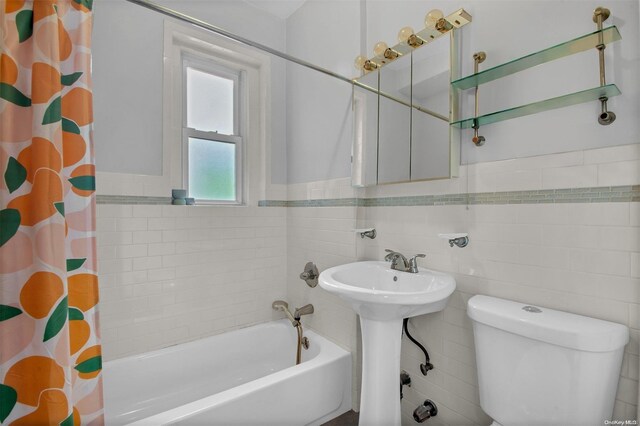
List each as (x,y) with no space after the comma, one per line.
(539,366)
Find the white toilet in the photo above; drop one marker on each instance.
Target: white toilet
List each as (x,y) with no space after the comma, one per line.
(538,366)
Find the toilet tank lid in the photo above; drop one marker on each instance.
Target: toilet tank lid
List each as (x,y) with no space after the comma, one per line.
(551,326)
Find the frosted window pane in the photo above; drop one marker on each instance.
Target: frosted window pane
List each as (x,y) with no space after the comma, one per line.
(212,170)
(209,102)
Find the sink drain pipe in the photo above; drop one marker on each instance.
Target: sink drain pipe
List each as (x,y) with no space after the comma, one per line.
(424,368)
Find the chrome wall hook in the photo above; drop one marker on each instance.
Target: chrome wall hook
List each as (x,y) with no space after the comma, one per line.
(367,232)
(459,240)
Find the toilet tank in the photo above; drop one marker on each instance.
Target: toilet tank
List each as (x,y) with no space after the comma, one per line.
(539,366)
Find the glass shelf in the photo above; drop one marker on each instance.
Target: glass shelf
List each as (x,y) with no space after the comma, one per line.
(580,44)
(610,90)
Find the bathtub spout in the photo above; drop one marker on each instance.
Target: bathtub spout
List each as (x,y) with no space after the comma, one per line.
(305,310)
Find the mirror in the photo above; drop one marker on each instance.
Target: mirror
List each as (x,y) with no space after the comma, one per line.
(364,158)
(413,140)
(394,122)
(430,90)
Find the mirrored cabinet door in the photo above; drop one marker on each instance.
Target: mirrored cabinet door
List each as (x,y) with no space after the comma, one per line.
(394,122)
(364,157)
(430,92)
(402,133)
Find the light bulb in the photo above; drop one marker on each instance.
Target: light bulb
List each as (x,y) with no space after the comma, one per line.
(380,48)
(432,17)
(404,34)
(360,61)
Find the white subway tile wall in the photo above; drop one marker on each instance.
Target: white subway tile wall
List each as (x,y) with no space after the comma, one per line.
(325,236)
(581,258)
(537,258)
(170,274)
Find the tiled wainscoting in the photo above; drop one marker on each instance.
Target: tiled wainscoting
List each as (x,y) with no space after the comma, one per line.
(580,258)
(170,274)
(325,236)
(576,257)
(530,242)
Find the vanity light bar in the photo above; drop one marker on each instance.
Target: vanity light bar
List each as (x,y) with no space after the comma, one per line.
(456,20)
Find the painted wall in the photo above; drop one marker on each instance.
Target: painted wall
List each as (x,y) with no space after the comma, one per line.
(505,30)
(311,112)
(128,78)
(319,120)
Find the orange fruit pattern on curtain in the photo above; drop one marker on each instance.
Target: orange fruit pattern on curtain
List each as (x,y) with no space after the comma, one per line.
(50,353)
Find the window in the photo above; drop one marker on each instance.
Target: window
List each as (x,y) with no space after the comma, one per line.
(212,131)
(215,116)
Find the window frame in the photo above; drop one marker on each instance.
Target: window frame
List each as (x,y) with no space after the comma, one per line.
(209,66)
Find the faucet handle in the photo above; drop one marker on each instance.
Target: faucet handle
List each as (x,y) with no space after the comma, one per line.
(413,263)
(388,256)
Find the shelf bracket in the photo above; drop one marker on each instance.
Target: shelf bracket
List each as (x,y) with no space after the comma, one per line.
(478,140)
(600,15)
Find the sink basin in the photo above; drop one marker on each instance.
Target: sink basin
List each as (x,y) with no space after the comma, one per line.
(383,297)
(376,291)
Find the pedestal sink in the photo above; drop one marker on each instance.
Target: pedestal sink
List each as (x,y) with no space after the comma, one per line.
(383,297)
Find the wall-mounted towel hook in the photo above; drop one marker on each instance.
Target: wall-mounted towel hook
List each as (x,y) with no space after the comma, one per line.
(367,232)
(461,240)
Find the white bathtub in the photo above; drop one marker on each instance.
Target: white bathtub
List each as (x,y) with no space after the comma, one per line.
(244,377)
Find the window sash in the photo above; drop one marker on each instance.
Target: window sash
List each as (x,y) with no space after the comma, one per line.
(214,137)
(209,67)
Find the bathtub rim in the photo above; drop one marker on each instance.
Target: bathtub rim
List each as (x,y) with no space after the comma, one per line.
(328,352)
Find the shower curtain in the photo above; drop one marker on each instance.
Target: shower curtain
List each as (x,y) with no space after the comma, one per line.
(50,355)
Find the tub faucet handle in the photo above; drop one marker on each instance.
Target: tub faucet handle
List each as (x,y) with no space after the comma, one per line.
(310,274)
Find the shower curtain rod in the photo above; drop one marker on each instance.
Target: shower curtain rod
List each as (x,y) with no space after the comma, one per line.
(204,25)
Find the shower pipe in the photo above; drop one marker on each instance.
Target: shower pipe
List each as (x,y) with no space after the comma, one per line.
(206,26)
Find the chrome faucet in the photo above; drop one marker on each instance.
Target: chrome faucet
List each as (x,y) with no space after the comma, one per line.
(397,259)
(400,263)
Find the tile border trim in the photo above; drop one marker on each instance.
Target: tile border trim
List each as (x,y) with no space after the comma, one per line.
(132,199)
(605,194)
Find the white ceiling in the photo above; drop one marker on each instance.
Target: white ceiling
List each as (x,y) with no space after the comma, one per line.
(280,8)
